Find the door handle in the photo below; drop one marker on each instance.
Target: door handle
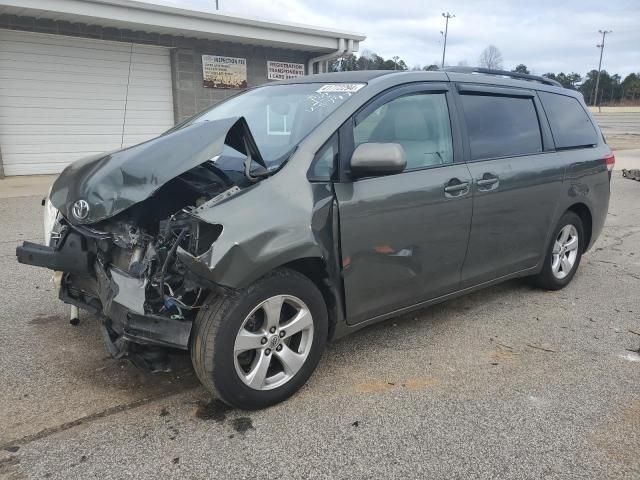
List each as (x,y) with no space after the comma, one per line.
(487,182)
(456,188)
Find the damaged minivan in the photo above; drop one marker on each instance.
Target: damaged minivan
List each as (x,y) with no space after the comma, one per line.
(300,211)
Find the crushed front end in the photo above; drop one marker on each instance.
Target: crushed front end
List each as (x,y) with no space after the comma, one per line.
(115,227)
(130,275)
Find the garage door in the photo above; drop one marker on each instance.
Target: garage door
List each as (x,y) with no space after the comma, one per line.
(64,98)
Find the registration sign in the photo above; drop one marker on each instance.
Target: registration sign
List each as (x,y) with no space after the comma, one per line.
(284,70)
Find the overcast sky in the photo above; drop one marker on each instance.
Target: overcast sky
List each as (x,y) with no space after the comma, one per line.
(546,35)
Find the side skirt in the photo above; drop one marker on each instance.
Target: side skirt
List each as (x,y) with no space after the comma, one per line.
(342,329)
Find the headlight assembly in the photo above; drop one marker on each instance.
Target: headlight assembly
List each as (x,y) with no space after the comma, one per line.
(50,217)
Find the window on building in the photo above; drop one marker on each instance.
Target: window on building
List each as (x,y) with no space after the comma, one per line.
(500,126)
(570,124)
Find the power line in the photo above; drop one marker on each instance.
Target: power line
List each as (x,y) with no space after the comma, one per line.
(446,31)
(601,47)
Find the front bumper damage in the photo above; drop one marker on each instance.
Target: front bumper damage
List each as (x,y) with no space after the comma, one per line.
(119,221)
(69,257)
(108,291)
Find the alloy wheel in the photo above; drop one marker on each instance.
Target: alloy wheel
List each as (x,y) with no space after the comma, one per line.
(274,342)
(565,252)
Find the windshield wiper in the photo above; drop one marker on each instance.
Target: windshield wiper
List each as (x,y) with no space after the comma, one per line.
(280,162)
(247,166)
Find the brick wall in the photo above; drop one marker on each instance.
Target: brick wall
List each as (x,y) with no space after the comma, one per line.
(189,96)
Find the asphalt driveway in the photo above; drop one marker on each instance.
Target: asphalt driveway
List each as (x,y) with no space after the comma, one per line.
(510,382)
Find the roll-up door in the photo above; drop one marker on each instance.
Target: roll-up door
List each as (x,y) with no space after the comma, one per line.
(63,98)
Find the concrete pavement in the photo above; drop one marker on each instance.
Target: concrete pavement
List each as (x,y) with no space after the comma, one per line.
(509,382)
(24,186)
(627,159)
(620,128)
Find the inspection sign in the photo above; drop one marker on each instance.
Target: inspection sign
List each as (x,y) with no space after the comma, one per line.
(224,72)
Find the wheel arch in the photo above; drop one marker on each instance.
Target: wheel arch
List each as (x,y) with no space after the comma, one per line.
(317,270)
(583,211)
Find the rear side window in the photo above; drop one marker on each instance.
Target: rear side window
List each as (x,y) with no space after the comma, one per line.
(500,126)
(570,124)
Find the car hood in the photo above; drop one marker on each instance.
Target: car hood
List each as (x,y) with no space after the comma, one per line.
(101,186)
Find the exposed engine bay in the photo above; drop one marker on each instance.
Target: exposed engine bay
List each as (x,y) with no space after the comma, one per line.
(126,266)
(133,274)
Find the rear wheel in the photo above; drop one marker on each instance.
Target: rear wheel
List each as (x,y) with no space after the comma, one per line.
(258,346)
(563,254)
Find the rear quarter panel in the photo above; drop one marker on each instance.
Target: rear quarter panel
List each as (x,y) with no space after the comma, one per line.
(586,179)
(586,182)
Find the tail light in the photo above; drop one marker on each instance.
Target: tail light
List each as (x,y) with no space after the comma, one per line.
(610,161)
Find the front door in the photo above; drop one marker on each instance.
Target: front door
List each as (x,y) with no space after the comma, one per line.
(516,181)
(404,236)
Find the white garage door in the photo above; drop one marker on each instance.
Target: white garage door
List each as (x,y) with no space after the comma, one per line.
(64,98)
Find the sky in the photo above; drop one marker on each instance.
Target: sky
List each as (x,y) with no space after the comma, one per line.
(545,35)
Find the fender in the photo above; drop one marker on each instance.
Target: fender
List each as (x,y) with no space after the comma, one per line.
(265,227)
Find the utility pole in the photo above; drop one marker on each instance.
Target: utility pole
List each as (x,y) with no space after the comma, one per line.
(601,47)
(217,5)
(446,30)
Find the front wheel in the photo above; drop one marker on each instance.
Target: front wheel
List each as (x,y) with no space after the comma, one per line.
(257,346)
(563,254)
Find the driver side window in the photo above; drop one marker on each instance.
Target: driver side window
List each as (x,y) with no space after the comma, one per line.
(418,122)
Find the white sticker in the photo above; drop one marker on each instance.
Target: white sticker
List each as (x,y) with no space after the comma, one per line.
(340,88)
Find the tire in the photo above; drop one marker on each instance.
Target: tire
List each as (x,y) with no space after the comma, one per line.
(233,322)
(555,276)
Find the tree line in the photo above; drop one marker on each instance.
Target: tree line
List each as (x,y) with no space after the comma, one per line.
(613,89)
(366,61)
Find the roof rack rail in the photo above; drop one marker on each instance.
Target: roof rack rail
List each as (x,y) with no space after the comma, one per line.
(503,73)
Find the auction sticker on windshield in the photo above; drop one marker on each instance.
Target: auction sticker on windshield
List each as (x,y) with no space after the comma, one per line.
(340,88)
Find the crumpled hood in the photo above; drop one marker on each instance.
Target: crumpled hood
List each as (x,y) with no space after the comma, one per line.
(110,183)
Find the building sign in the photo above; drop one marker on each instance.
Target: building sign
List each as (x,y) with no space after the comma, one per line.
(284,70)
(224,72)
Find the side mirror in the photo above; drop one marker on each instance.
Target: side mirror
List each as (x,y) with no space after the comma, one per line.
(372,159)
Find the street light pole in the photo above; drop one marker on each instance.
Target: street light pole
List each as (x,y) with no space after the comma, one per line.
(446,30)
(601,47)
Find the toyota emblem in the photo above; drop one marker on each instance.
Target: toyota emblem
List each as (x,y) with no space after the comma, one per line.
(80,209)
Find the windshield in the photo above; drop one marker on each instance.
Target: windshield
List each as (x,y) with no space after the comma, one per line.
(280,116)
